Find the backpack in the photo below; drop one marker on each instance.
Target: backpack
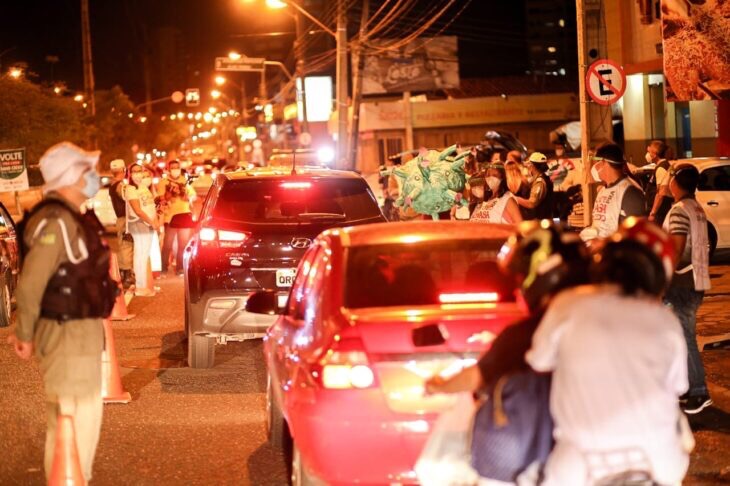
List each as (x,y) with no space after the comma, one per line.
(513,428)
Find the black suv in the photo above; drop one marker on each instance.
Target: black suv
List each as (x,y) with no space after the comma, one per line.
(254,227)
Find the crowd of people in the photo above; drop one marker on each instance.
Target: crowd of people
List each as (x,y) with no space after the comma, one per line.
(144,211)
(615,383)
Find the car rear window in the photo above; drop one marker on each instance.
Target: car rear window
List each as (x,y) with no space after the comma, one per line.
(424,273)
(296,201)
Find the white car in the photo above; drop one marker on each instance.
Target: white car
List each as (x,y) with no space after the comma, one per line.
(713,193)
(101,204)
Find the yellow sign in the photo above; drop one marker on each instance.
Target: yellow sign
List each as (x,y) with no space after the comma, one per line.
(470,111)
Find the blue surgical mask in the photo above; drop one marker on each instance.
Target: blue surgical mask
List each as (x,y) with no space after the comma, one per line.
(93,183)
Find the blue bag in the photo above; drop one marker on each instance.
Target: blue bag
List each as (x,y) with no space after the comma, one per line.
(513,428)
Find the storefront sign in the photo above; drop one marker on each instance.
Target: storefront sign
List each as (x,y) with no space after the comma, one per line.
(470,111)
(13,172)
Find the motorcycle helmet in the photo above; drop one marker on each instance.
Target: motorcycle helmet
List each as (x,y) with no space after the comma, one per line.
(544,259)
(639,257)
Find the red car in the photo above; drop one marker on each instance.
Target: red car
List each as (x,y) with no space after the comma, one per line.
(374,311)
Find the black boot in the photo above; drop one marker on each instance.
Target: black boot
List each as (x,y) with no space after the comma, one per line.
(127,278)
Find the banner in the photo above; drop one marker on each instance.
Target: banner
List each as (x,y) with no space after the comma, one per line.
(696,40)
(13,171)
(422,65)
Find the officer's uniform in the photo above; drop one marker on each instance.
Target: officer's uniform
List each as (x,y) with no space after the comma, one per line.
(125,254)
(69,351)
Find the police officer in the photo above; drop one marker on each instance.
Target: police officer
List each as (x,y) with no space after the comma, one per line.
(539,205)
(64,291)
(125,244)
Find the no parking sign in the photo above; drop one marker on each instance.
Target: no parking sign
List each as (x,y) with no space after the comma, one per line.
(605,82)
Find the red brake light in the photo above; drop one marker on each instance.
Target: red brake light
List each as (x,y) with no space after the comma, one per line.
(223,238)
(459,298)
(295,185)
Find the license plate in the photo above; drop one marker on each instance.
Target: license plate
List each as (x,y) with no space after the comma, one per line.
(285,277)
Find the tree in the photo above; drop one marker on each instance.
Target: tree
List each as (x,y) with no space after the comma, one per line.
(36,119)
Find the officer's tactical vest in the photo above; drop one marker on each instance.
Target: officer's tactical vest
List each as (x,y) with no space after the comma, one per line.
(81,288)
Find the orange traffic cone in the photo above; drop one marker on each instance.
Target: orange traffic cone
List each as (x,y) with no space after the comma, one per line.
(66,469)
(112,390)
(119,312)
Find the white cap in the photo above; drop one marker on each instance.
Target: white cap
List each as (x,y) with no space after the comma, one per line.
(117,164)
(63,165)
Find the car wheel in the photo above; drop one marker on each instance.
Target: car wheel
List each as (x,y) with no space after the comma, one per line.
(712,237)
(299,474)
(6,304)
(201,351)
(275,427)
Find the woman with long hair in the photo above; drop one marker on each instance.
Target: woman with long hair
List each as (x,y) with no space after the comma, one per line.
(142,223)
(501,206)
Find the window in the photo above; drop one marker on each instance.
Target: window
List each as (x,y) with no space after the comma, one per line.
(425,274)
(388,147)
(307,286)
(296,201)
(715,179)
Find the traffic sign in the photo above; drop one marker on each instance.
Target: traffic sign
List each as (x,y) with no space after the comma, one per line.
(177,97)
(244,64)
(192,97)
(605,82)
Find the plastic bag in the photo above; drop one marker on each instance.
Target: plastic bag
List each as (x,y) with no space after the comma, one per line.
(446,456)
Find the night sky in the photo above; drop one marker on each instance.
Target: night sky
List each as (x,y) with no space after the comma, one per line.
(491,36)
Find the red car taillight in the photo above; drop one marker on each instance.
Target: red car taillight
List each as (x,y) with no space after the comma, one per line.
(346,366)
(222,238)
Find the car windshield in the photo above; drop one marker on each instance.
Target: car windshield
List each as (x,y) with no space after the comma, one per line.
(296,200)
(426,273)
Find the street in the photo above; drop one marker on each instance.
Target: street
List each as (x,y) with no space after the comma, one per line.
(187,426)
(183,426)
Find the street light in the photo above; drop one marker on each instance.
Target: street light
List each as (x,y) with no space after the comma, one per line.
(275,4)
(220,80)
(234,56)
(79,98)
(215,94)
(15,73)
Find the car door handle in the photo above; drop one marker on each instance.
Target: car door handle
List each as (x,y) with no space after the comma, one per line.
(713,203)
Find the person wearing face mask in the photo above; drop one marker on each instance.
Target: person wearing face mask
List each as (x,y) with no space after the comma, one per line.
(178,197)
(64,292)
(539,205)
(659,198)
(620,197)
(142,223)
(501,206)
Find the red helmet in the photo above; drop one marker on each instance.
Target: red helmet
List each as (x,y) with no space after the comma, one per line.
(639,256)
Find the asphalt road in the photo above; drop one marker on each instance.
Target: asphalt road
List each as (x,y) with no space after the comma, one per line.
(183,426)
(190,427)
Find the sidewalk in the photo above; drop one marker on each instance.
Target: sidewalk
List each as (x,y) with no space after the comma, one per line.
(710,462)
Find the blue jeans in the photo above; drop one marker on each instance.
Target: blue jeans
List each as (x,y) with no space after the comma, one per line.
(684,303)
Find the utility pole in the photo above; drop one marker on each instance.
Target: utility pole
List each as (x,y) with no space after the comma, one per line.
(357,84)
(86,51)
(341,37)
(299,73)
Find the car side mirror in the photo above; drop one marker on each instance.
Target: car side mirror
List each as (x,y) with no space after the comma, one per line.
(263,302)
(183,220)
(429,335)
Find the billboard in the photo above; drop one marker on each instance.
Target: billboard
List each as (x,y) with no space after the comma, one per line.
(696,41)
(13,171)
(426,64)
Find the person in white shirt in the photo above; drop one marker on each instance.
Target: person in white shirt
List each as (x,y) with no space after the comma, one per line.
(619,199)
(618,359)
(501,207)
(687,224)
(142,222)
